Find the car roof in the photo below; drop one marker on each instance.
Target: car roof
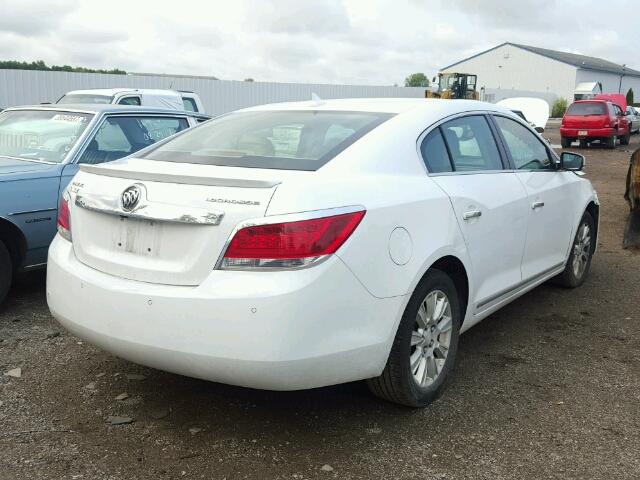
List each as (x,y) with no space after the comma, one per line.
(593,100)
(103,108)
(114,91)
(382,105)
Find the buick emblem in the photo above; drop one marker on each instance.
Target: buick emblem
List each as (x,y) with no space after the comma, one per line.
(130,198)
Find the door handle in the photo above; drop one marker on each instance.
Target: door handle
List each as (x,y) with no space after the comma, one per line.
(471,214)
(537,204)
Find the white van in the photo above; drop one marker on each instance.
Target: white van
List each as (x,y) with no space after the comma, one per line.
(173,99)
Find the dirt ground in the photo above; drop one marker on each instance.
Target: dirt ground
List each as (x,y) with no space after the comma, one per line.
(549,387)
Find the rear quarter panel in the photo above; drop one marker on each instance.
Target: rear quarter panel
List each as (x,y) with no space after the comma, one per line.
(31,204)
(414,203)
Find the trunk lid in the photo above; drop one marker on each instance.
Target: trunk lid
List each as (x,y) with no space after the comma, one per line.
(179,227)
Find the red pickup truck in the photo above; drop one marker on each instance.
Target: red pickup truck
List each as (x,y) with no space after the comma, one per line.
(594,120)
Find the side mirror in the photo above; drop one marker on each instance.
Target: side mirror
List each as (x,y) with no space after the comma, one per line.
(571,161)
(434,80)
(539,129)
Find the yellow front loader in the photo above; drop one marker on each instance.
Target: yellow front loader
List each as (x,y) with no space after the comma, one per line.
(455,86)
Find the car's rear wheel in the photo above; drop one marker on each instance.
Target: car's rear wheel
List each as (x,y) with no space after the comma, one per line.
(6,271)
(579,263)
(565,142)
(624,140)
(424,349)
(611,142)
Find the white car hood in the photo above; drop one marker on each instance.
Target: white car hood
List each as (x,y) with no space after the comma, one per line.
(535,109)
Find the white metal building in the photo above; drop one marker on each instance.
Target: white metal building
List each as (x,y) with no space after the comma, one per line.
(548,73)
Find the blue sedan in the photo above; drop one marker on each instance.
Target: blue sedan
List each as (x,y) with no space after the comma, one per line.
(41,148)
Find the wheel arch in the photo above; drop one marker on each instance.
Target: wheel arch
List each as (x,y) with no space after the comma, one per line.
(14,240)
(594,210)
(455,269)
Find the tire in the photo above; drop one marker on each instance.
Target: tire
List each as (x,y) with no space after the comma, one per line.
(6,271)
(565,142)
(611,142)
(397,383)
(624,140)
(572,276)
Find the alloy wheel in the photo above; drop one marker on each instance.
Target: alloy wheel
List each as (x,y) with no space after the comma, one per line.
(581,250)
(431,338)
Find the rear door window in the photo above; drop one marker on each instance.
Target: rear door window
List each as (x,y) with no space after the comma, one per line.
(159,128)
(118,137)
(130,101)
(471,144)
(189,104)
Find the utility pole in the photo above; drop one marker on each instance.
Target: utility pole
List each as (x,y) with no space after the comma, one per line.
(624,65)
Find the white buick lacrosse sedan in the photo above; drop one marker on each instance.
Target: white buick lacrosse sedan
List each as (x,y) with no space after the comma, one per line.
(298,245)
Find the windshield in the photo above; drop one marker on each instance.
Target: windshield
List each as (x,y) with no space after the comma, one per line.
(587,108)
(40,135)
(447,81)
(287,140)
(85,98)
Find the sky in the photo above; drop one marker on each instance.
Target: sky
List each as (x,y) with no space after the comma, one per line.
(370,42)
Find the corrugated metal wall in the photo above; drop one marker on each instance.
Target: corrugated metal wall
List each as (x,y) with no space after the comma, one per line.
(24,87)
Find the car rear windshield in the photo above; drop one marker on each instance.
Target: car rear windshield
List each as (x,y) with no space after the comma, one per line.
(585,109)
(285,140)
(85,98)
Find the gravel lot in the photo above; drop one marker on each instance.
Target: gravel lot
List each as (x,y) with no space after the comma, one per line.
(549,387)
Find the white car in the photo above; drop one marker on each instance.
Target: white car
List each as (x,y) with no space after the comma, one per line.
(633,115)
(534,110)
(148,97)
(298,245)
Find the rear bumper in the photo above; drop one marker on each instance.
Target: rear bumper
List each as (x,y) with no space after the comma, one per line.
(278,330)
(591,132)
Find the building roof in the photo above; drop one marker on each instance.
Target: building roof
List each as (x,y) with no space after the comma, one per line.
(574,59)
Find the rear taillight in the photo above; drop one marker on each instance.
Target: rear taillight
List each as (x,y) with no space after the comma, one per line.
(64,218)
(288,245)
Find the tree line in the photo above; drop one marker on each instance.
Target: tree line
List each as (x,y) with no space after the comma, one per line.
(40,65)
